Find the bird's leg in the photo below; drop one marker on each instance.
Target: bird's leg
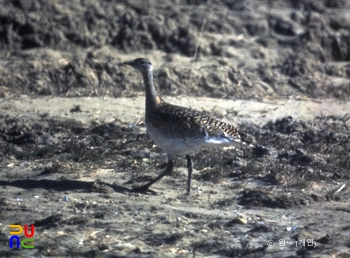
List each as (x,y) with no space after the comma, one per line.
(189,169)
(167,171)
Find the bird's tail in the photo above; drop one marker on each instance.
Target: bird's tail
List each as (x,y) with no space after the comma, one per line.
(247,138)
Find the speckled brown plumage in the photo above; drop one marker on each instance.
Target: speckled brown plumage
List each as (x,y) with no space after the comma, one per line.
(188,123)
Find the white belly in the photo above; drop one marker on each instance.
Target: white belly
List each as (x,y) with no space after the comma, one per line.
(175,146)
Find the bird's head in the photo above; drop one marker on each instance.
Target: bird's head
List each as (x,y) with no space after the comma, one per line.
(140,64)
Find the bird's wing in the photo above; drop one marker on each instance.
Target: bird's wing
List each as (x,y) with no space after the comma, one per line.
(188,123)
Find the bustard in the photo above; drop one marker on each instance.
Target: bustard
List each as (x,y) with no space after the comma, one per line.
(179,130)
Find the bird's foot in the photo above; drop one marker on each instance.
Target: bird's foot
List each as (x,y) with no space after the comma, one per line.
(143,189)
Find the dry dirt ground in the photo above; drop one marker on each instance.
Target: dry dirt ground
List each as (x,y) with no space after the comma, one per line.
(73,140)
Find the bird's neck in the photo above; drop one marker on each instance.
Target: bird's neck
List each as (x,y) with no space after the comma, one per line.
(152,98)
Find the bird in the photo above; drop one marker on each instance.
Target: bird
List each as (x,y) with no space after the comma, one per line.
(179,130)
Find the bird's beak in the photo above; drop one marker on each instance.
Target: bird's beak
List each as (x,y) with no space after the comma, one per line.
(127,63)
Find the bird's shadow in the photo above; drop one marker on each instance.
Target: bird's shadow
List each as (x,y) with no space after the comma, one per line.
(67,185)
(60,185)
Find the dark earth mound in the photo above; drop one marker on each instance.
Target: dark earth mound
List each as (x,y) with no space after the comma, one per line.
(271,48)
